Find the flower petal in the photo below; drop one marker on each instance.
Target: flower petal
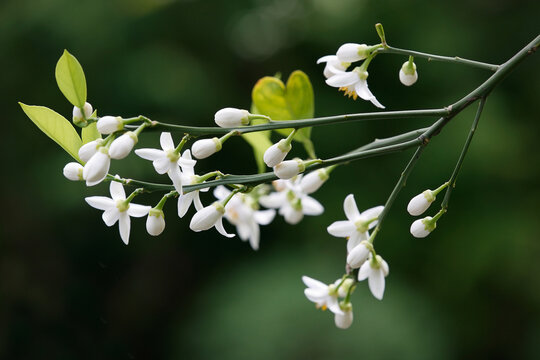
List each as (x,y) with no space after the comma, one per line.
(124,224)
(314,284)
(310,206)
(365,271)
(333,305)
(137,210)
(110,216)
(341,228)
(166,141)
(326,58)
(264,217)
(100,202)
(350,208)
(376,283)
(372,213)
(184,201)
(273,200)
(150,154)
(198,203)
(255,236)
(221,192)
(355,239)
(244,231)
(221,229)
(117,191)
(343,79)
(176,176)
(162,165)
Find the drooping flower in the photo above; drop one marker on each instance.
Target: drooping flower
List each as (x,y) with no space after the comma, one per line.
(354,83)
(324,296)
(407,74)
(241,211)
(375,269)
(155,222)
(210,216)
(345,319)
(189,178)
(357,225)
(166,160)
(117,208)
(333,65)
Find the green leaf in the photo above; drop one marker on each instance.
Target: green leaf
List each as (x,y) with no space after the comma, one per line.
(259,141)
(56,127)
(90,133)
(70,79)
(291,101)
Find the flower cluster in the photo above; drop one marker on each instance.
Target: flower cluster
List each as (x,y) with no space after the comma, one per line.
(418,205)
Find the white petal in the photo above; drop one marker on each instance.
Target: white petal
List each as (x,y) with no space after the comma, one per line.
(375,102)
(357,256)
(162,165)
(350,208)
(343,79)
(176,176)
(221,229)
(292,216)
(197,202)
(166,141)
(150,154)
(310,206)
(326,58)
(273,200)
(137,210)
(344,321)
(376,283)
(244,230)
(341,228)
(255,236)
(100,202)
(316,295)
(362,90)
(355,239)
(221,192)
(110,216)
(264,217)
(418,205)
(384,267)
(333,305)
(184,201)
(315,284)
(418,229)
(372,213)
(124,224)
(117,191)
(364,271)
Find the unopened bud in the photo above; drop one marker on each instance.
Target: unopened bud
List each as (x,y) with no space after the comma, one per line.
(122,146)
(73,171)
(109,124)
(231,117)
(202,149)
(351,52)
(289,169)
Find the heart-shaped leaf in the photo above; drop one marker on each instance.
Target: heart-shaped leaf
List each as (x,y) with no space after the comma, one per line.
(71,80)
(56,127)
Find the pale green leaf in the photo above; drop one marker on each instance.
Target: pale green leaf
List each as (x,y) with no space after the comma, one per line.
(71,80)
(90,133)
(259,141)
(56,127)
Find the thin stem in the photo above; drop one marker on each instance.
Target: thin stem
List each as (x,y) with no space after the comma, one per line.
(133,194)
(164,199)
(431,57)
(182,143)
(453,177)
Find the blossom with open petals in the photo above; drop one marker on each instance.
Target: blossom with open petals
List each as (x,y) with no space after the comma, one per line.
(166,160)
(116,208)
(375,270)
(189,178)
(354,83)
(333,65)
(356,227)
(324,296)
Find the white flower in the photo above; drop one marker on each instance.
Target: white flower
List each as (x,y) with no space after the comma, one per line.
(422,227)
(357,226)
(89,149)
(351,52)
(313,181)
(324,296)
(78,114)
(166,160)
(345,319)
(109,124)
(407,74)
(118,209)
(208,217)
(189,178)
(359,254)
(122,146)
(420,203)
(375,270)
(277,152)
(240,212)
(204,148)
(333,65)
(289,169)
(73,171)
(354,83)
(96,169)
(291,201)
(155,222)
(231,117)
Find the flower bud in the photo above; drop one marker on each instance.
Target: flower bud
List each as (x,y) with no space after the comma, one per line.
(109,124)
(420,203)
(408,74)
(289,169)
(344,320)
(352,52)
(73,171)
(202,149)
(89,149)
(122,146)
(345,286)
(97,167)
(207,217)
(358,255)
(313,181)
(78,118)
(422,227)
(155,222)
(277,152)
(231,117)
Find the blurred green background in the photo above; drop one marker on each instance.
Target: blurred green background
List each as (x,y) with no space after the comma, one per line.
(69,287)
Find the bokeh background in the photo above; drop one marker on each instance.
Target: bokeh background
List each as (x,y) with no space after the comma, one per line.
(69,287)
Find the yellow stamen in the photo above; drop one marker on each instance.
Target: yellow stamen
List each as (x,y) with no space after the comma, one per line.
(348,92)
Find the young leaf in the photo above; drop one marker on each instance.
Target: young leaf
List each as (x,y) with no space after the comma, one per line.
(90,133)
(56,127)
(71,80)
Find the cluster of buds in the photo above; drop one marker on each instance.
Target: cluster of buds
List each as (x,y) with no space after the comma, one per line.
(418,205)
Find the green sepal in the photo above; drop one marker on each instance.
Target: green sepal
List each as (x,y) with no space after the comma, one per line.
(56,127)
(71,80)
